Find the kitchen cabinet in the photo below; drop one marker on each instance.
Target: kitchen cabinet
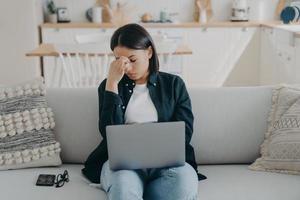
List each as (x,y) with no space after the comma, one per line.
(67,35)
(279,60)
(285,48)
(208,46)
(268,62)
(216,50)
(223,53)
(297,55)
(56,36)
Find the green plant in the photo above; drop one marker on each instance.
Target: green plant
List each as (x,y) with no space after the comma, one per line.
(51,7)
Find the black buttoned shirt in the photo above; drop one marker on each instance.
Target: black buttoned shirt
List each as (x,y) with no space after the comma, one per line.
(171,100)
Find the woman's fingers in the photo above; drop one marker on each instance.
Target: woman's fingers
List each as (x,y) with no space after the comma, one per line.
(125,63)
(119,67)
(123,60)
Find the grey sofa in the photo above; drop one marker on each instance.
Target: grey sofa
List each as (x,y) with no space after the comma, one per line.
(228,130)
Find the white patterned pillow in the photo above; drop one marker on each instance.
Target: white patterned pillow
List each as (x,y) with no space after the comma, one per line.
(280,151)
(26,123)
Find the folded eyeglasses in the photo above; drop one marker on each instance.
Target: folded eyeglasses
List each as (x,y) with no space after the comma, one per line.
(61,179)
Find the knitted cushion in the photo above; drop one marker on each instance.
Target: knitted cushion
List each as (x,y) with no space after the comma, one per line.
(26,123)
(281,148)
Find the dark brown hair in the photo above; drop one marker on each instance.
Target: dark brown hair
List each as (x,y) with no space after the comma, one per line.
(134,36)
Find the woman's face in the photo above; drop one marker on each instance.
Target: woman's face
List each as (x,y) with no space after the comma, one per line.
(138,68)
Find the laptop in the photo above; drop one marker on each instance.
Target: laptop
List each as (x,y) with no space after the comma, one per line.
(146,145)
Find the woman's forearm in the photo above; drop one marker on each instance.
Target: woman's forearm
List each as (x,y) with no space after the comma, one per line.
(111,86)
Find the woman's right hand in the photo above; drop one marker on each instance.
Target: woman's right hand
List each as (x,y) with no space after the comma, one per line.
(117,70)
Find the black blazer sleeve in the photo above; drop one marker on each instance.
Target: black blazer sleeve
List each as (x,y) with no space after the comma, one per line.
(110,109)
(110,113)
(183,109)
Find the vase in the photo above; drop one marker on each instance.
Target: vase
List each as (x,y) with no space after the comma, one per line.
(52,18)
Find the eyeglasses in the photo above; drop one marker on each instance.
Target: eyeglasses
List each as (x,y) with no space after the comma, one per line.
(61,179)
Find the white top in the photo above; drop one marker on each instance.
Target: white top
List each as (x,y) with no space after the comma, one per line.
(140,108)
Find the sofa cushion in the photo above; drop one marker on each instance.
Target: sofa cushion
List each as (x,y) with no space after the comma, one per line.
(232,120)
(23,181)
(26,123)
(76,121)
(229,123)
(281,147)
(226,182)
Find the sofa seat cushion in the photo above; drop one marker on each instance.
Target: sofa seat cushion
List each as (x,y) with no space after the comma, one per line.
(20,184)
(228,182)
(224,182)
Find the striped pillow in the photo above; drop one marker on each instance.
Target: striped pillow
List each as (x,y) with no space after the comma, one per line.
(26,127)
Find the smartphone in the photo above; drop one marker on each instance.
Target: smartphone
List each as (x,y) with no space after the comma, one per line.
(46,180)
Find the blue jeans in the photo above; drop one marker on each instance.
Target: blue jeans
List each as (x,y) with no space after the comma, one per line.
(175,183)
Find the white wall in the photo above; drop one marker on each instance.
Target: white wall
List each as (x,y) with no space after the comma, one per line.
(18,35)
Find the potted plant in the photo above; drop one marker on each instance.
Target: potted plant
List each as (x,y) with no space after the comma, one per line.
(52,12)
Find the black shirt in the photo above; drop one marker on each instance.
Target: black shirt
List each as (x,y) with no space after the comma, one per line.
(171,100)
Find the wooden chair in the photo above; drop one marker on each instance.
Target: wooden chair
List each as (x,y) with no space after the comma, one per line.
(82,65)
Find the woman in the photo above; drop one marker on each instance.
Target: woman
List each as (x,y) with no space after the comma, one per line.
(134,82)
